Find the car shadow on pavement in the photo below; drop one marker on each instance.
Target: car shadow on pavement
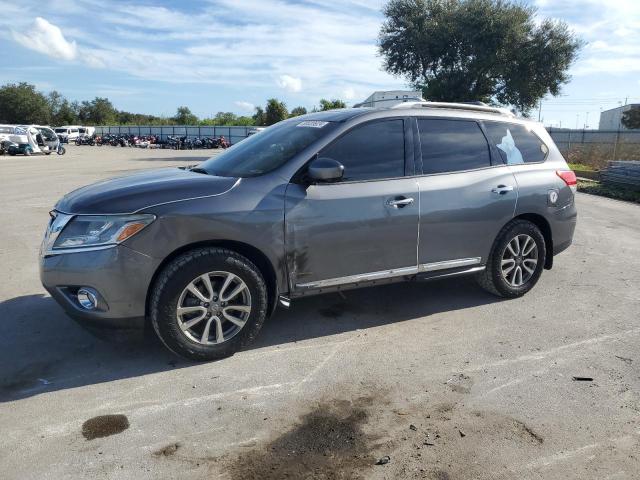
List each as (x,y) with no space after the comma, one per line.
(332,313)
(43,350)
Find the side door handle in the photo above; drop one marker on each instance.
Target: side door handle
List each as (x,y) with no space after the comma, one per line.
(502,189)
(399,202)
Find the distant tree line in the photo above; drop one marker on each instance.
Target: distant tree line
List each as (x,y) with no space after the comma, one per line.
(21,103)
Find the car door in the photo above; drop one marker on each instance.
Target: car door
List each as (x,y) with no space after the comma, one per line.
(363,227)
(466,194)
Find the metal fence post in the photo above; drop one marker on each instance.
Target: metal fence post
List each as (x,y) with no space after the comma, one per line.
(615,145)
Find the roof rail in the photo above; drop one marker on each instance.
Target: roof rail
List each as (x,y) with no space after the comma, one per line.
(455,106)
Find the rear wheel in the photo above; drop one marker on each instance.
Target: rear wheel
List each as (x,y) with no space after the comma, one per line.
(516,260)
(208,303)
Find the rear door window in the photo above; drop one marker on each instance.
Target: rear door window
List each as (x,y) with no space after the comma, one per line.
(452,146)
(371,151)
(516,143)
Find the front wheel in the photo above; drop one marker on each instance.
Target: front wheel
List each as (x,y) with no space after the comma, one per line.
(516,260)
(208,303)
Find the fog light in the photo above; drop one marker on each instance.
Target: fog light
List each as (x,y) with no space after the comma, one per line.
(87,299)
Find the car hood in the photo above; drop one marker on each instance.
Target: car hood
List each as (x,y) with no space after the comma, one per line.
(143,190)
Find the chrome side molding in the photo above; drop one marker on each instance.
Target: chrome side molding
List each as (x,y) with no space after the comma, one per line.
(396,272)
(284,301)
(461,262)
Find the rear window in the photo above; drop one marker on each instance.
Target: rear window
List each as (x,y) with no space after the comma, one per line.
(516,143)
(452,146)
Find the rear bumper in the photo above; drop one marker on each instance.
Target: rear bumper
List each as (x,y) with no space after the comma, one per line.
(563,226)
(119,275)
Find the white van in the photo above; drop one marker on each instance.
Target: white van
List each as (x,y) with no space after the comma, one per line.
(68,133)
(89,131)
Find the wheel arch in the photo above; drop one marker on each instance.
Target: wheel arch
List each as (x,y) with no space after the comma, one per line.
(255,255)
(544,226)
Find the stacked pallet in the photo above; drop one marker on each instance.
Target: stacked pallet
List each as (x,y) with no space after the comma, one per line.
(623,173)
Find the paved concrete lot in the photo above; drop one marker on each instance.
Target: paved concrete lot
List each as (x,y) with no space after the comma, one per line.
(446,380)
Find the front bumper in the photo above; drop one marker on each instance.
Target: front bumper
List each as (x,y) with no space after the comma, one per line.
(121,276)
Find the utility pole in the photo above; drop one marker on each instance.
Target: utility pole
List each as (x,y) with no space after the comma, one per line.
(539,109)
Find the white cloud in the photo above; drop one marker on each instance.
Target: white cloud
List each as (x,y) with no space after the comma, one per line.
(289,83)
(301,47)
(247,106)
(612,33)
(44,37)
(349,93)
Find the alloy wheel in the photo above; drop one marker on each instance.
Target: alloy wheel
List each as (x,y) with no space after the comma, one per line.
(519,260)
(213,307)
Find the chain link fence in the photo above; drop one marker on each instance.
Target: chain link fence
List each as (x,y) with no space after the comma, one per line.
(232,134)
(597,147)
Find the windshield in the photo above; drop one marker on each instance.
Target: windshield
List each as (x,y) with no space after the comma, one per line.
(267,150)
(61,130)
(47,133)
(6,129)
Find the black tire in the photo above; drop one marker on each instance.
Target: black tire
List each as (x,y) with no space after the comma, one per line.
(178,274)
(492,280)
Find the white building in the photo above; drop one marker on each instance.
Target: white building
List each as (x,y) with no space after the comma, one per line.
(612,119)
(390,98)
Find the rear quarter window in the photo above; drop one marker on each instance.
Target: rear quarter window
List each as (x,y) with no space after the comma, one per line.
(516,143)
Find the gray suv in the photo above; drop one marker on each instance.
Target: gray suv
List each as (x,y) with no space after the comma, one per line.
(319,203)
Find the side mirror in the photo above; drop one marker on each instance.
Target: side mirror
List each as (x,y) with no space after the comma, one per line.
(325,170)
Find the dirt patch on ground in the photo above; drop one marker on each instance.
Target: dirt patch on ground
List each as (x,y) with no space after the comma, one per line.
(104,426)
(327,443)
(168,451)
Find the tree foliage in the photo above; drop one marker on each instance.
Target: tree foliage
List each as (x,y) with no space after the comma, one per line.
(296,112)
(467,50)
(259,117)
(275,112)
(184,116)
(331,104)
(22,103)
(631,118)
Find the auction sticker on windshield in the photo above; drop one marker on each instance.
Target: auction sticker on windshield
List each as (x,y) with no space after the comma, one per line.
(312,124)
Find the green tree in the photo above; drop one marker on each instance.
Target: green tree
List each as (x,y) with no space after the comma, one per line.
(61,111)
(65,115)
(21,103)
(631,118)
(296,112)
(225,118)
(245,121)
(495,51)
(275,111)
(99,111)
(184,116)
(259,117)
(331,104)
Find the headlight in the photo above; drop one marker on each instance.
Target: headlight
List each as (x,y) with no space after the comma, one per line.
(100,230)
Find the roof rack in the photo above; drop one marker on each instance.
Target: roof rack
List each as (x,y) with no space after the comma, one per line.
(476,107)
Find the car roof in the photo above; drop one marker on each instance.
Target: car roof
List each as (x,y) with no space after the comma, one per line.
(418,109)
(338,115)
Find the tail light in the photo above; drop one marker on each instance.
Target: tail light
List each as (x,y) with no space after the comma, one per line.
(568,177)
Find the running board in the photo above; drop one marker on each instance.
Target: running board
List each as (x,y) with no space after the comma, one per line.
(423,277)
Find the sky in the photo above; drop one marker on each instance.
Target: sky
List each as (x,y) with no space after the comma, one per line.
(151,56)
